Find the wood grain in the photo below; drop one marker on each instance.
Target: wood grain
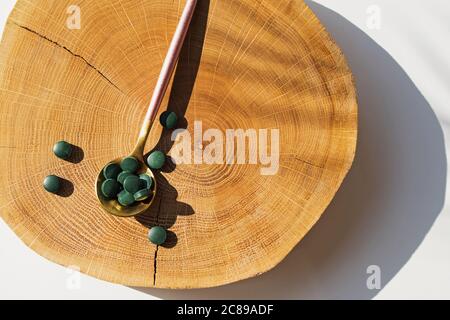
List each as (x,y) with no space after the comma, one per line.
(246,64)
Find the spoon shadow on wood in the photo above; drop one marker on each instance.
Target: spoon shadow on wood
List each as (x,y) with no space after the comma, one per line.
(185,76)
(166,207)
(165,210)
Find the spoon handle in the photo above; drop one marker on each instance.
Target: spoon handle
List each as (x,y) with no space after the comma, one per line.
(166,73)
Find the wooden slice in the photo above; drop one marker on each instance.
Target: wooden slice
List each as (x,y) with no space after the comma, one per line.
(248,64)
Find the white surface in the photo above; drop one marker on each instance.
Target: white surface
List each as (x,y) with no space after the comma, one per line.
(392,211)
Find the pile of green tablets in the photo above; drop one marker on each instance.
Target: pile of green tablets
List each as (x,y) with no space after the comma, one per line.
(124,184)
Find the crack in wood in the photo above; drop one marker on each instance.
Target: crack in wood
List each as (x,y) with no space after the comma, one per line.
(296,157)
(71,52)
(154,266)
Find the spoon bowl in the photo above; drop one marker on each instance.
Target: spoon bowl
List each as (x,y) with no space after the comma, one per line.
(113,206)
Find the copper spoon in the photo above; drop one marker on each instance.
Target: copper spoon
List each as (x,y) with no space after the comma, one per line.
(112,205)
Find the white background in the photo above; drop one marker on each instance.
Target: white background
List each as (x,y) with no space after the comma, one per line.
(392,210)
